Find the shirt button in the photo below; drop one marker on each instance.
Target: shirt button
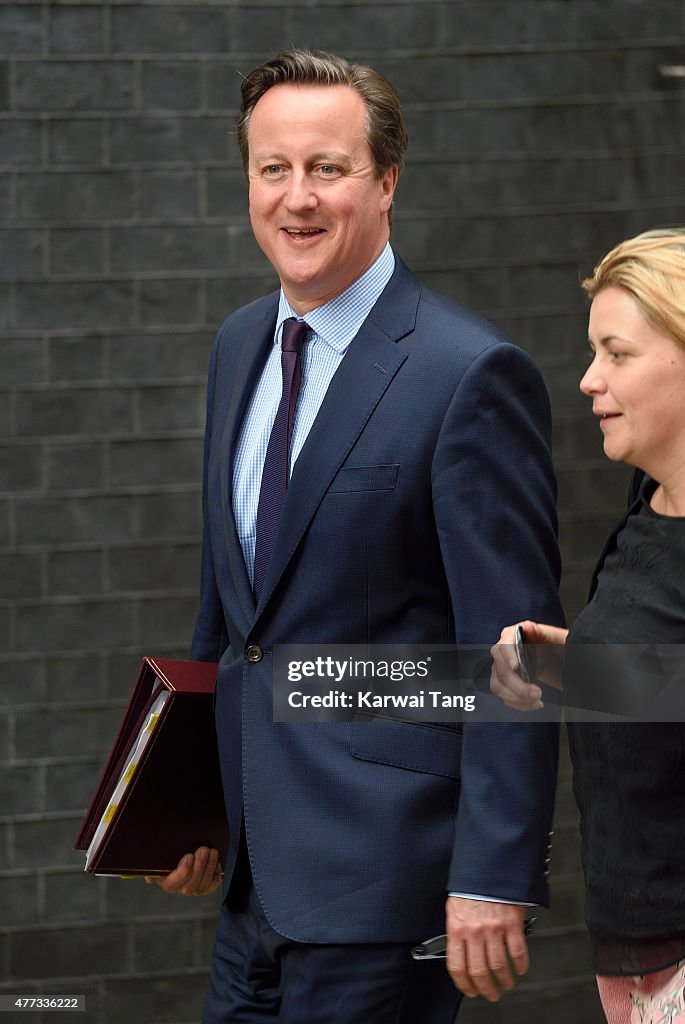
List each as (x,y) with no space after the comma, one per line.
(254,653)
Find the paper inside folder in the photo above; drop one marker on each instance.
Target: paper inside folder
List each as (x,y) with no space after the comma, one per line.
(119,792)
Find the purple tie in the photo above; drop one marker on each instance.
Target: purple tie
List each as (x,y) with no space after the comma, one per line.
(277,461)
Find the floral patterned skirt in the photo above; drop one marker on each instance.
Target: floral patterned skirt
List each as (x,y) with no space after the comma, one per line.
(657,998)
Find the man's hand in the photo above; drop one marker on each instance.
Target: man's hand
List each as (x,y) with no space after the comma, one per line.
(197,874)
(484,941)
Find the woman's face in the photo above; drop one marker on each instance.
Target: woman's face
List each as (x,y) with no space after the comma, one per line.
(637,384)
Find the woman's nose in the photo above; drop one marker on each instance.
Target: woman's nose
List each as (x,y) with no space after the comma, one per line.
(592,382)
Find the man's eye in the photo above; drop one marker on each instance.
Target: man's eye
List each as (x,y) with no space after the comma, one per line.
(328,170)
(272,169)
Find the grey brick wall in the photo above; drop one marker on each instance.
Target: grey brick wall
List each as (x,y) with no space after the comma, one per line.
(541,134)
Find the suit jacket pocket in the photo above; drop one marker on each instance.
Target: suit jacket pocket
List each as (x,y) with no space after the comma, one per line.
(365,478)
(433,749)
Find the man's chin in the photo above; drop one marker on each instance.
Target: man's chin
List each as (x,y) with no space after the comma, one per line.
(305,291)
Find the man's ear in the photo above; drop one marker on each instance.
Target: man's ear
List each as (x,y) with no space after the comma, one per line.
(388,182)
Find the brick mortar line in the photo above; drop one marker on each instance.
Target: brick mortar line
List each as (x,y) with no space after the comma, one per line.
(590,462)
(100,383)
(178,540)
(73,761)
(89,434)
(39,816)
(403,215)
(586,520)
(419,266)
(585,565)
(230,114)
(76,982)
(127,491)
(52,439)
(239,5)
(533,988)
(224,57)
(426,156)
(110,704)
(609,46)
(183,330)
(125,975)
(116,651)
(110,597)
(104,919)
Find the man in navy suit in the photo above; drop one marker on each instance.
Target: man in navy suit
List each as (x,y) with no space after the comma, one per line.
(420,509)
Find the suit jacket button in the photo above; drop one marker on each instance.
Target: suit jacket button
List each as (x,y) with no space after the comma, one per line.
(254,653)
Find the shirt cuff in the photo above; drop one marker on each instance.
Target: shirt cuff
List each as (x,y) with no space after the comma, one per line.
(490,899)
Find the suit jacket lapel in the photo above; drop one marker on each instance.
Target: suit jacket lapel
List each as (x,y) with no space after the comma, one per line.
(363,376)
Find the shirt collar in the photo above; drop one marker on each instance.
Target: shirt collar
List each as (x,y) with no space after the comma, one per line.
(338,321)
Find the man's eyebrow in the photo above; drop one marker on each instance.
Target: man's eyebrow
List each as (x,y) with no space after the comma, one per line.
(327,156)
(331,157)
(269,156)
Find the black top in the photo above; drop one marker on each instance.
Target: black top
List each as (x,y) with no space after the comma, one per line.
(629,777)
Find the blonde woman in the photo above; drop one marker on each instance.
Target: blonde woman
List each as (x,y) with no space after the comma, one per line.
(629,777)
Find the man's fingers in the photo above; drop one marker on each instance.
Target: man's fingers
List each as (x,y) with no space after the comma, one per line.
(196,874)
(202,873)
(479,972)
(457,968)
(176,879)
(484,967)
(485,940)
(498,962)
(517,948)
(211,874)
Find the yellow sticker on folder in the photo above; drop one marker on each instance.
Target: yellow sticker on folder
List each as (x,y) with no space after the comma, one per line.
(153,722)
(128,774)
(109,813)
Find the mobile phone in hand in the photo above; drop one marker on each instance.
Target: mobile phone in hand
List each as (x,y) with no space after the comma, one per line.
(526,656)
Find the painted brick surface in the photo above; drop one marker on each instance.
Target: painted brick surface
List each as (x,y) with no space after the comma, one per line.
(541,133)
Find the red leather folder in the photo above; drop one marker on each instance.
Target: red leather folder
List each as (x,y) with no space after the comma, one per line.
(153,806)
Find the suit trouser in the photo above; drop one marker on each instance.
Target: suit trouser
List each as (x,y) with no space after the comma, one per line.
(258,975)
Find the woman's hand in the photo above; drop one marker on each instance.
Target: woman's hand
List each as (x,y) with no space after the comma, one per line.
(197,874)
(505,680)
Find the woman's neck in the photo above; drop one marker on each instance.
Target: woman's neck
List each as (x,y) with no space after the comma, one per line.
(669,497)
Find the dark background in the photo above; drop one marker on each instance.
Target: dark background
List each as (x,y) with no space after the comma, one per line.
(541,133)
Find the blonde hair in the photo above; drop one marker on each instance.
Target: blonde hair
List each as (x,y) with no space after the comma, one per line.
(651,267)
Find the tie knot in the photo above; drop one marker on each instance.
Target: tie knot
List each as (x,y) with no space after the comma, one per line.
(294,333)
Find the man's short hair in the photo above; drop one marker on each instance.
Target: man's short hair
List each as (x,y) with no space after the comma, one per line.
(386,132)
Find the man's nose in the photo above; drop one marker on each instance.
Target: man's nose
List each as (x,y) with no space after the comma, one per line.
(300,194)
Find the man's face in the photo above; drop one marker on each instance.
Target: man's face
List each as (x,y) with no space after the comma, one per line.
(318,211)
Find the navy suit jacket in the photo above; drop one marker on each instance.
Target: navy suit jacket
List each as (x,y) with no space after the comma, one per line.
(421,510)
